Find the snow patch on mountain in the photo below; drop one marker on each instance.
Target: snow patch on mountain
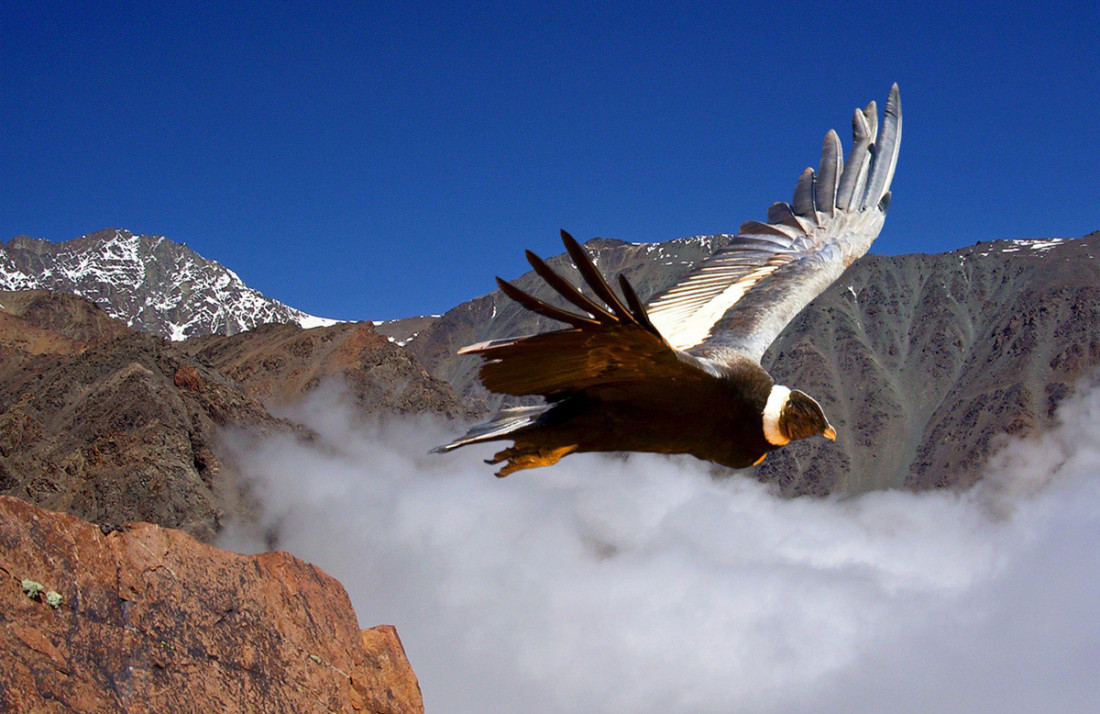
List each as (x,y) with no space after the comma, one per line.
(151,283)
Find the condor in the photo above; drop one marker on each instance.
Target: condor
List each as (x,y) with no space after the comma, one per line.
(682,374)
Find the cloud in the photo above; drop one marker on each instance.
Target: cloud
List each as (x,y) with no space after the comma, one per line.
(641,584)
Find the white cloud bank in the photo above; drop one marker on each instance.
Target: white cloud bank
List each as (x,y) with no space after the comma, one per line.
(642,585)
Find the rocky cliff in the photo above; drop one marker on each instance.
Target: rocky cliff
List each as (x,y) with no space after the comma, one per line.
(147,619)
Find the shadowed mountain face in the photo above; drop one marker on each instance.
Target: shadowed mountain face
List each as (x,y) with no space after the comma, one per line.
(923,361)
(920,361)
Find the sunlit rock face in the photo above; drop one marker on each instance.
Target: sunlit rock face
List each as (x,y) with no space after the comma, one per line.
(148,619)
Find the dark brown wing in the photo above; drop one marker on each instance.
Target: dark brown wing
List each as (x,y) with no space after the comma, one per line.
(610,345)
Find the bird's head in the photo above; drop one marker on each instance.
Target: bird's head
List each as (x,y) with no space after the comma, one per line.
(791,414)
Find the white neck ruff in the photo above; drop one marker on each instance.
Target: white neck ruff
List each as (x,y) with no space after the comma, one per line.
(777,399)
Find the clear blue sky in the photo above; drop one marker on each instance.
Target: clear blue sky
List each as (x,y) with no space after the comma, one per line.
(389,160)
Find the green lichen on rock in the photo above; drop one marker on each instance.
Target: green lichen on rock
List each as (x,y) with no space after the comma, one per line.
(32,589)
(53,599)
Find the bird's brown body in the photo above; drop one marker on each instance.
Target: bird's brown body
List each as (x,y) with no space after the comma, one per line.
(716,419)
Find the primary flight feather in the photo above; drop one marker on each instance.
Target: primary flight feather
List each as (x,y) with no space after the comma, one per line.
(682,374)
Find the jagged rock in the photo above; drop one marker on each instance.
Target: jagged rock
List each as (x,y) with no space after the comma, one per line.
(118,428)
(148,619)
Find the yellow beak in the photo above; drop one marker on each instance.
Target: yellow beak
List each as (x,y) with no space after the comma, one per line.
(829,433)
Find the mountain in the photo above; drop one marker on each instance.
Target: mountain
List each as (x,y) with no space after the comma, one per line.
(921,362)
(151,283)
(118,428)
(926,362)
(113,426)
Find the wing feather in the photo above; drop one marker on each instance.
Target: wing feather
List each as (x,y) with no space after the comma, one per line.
(832,165)
(803,201)
(855,171)
(886,152)
(743,296)
(604,349)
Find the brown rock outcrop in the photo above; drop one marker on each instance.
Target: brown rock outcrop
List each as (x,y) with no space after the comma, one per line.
(41,313)
(280,364)
(146,619)
(126,430)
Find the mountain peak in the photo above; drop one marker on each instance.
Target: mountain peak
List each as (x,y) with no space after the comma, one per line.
(153,284)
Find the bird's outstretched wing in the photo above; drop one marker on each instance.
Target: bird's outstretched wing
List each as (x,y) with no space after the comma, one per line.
(742,297)
(611,345)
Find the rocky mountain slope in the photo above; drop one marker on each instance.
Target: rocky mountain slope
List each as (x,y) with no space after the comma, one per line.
(151,283)
(925,362)
(920,361)
(148,619)
(280,364)
(116,426)
(118,429)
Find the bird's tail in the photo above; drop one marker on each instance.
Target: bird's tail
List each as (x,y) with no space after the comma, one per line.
(508,421)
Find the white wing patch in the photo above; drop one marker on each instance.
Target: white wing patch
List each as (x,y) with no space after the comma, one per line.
(685,315)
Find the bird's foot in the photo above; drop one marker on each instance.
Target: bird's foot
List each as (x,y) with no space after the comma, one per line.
(529,457)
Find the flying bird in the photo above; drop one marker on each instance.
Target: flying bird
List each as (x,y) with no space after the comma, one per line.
(682,374)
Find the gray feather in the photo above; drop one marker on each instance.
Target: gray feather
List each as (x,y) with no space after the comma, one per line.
(508,421)
(855,170)
(828,173)
(885,151)
(803,201)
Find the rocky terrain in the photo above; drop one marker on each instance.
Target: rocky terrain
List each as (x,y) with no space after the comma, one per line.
(924,362)
(149,282)
(116,426)
(148,619)
(280,364)
(920,361)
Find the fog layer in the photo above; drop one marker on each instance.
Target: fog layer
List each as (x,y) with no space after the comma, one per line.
(642,584)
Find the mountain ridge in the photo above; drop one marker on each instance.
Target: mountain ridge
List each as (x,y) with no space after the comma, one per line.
(153,284)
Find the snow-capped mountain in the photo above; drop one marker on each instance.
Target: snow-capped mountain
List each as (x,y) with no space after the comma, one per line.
(151,283)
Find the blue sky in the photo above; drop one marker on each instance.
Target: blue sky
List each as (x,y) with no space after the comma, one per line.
(389,159)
